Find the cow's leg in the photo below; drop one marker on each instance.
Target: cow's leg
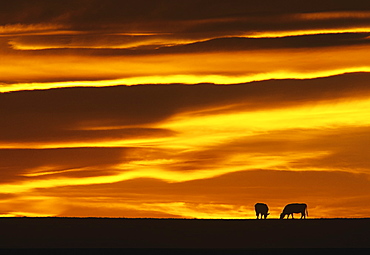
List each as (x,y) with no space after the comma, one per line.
(293,216)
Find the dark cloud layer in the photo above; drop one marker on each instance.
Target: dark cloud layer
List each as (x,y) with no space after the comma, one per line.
(62,114)
(91,12)
(59,32)
(83,44)
(291,42)
(15,163)
(94,23)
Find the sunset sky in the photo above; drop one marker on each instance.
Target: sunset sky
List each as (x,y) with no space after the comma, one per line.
(184,109)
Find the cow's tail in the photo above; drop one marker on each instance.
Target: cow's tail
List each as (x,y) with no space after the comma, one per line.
(306,211)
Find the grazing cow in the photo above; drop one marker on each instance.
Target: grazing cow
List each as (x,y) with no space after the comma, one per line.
(261,209)
(294,208)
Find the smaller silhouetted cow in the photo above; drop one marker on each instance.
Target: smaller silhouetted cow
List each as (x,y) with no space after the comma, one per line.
(294,208)
(261,209)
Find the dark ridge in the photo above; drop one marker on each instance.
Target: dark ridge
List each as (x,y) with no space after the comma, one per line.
(196,234)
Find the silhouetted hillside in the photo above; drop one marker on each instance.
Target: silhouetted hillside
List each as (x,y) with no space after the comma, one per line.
(183,233)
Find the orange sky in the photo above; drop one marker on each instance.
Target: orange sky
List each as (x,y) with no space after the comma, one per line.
(195,109)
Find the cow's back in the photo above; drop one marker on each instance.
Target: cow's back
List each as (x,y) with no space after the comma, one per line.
(261,208)
(295,208)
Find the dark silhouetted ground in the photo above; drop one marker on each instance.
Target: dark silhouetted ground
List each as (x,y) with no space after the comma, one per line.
(190,234)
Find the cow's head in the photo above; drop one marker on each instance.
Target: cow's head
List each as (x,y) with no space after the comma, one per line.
(282,215)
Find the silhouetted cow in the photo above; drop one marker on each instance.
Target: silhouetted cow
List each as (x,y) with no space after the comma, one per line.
(294,208)
(261,209)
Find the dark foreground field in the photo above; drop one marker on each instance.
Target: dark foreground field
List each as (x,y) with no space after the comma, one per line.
(175,234)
